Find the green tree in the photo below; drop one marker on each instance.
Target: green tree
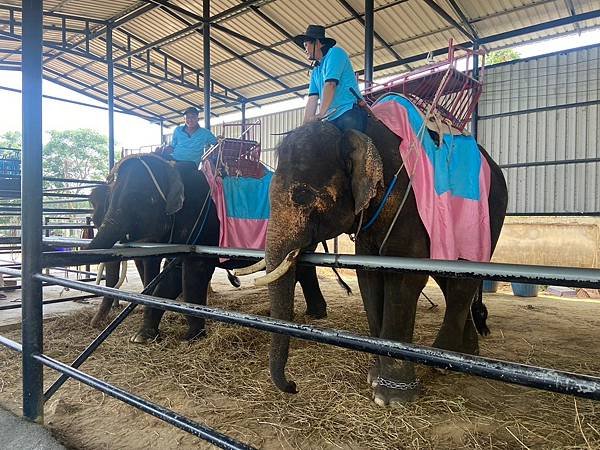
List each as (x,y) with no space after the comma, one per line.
(499,56)
(11,139)
(80,154)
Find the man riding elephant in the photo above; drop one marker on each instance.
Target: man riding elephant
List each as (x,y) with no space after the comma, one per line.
(331,79)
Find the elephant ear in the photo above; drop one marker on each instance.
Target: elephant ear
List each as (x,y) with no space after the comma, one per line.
(365,165)
(175,192)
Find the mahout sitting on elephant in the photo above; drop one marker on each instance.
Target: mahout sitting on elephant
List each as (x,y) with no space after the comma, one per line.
(153,200)
(326,183)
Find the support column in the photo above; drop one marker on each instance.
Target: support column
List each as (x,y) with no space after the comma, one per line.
(31,204)
(162,132)
(206,45)
(244,136)
(475,115)
(111,100)
(369,33)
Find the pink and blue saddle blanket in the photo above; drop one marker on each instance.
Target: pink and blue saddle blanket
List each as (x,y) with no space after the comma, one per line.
(242,207)
(451,184)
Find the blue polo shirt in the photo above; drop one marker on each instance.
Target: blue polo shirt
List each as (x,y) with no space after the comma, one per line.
(335,66)
(191,148)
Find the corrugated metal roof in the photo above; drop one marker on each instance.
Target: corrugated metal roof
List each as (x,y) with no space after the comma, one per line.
(246,69)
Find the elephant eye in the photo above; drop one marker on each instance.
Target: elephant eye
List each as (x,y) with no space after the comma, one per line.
(303,195)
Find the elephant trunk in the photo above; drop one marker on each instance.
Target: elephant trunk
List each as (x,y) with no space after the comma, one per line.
(281,295)
(111,231)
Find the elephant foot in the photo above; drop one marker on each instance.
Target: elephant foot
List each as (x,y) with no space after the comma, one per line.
(317,313)
(98,321)
(372,376)
(145,336)
(389,392)
(195,335)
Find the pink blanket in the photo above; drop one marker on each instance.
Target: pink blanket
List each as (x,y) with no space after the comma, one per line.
(235,232)
(458,227)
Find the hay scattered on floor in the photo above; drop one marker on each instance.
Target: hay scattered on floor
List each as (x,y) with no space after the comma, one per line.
(223,381)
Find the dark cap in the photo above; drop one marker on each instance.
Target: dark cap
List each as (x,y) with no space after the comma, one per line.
(314,32)
(191,110)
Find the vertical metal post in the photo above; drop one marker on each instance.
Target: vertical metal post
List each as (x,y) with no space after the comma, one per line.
(244,120)
(475,116)
(111,100)
(369,33)
(206,45)
(31,215)
(162,132)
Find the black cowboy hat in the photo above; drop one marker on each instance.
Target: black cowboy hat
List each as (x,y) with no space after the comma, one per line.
(314,32)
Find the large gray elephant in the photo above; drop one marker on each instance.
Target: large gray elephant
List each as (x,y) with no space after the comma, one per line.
(153,200)
(323,181)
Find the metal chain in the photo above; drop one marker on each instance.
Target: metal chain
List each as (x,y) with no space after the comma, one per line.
(396,385)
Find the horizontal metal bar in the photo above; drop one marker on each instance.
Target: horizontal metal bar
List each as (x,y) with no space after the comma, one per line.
(202,431)
(50,227)
(49,210)
(550,163)
(50,302)
(52,259)
(562,276)
(557,214)
(65,180)
(18,286)
(542,378)
(540,109)
(13,345)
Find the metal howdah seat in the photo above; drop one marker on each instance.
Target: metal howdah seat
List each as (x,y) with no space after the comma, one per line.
(440,88)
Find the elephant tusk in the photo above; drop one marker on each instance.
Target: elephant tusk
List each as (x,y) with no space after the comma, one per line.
(280,270)
(256,267)
(122,276)
(100,273)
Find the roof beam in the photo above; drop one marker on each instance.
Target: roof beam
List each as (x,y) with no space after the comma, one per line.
(459,12)
(234,53)
(159,42)
(360,18)
(98,97)
(114,23)
(340,22)
(448,18)
(197,72)
(214,19)
(259,45)
(121,86)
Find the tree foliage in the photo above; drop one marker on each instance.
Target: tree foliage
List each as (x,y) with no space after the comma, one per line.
(11,140)
(499,56)
(80,154)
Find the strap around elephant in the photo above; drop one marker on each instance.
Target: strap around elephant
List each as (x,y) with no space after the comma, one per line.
(160,191)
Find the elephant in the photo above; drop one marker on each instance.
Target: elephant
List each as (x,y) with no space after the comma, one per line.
(154,200)
(324,180)
(148,268)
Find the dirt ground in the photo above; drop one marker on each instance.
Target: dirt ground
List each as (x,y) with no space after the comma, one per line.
(223,381)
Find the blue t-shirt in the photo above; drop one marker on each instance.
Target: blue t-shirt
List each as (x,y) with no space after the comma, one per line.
(335,66)
(191,148)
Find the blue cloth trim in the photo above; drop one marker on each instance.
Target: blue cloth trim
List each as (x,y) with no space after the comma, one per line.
(456,164)
(247,198)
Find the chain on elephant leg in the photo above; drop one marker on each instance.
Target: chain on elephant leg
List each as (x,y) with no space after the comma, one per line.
(396,383)
(149,331)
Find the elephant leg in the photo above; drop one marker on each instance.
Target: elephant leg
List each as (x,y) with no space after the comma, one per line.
(370,284)
(316,306)
(458,332)
(151,268)
(112,277)
(396,382)
(169,287)
(196,279)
